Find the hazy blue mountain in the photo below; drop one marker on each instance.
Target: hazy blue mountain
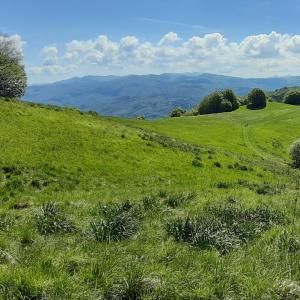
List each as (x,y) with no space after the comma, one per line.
(149,95)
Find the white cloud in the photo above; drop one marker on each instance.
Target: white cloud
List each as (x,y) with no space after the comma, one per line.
(50,55)
(258,55)
(169,38)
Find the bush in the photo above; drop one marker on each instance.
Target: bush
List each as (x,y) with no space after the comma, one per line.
(292,97)
(295,153)
(257,99)
(177,112)
(51,220)
(232,98)
(118,222)
(218,102)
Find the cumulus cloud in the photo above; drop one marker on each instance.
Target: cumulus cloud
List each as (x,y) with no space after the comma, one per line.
(258,55)
(50,55)
(169,38)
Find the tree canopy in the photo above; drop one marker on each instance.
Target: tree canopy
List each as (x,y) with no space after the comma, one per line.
(292,97)
(13,80)
(217,102)
(257,99)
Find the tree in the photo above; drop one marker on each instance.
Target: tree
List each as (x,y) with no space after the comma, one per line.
(257,99)
(177,112)
(292,97)
(295,153)
(13,80)
(218,102)
(232,98)
(225,106)
(210,104)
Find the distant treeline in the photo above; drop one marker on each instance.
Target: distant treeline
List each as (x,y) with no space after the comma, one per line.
(227,101)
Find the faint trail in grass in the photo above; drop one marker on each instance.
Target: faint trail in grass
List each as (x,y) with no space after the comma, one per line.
(250,143)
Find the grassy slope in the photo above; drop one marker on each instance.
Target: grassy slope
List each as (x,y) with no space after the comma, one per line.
(277,123)
(79,160)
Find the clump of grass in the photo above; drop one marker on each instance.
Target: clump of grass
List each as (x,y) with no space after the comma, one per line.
(223,185)
(6,222)
(217,164)
(162,194)
(175,200)
(150,202)
(51,219)
(197,162)
(118,222)
(288,242)
(134,286)
(223,228)
(20,289)
(238,166)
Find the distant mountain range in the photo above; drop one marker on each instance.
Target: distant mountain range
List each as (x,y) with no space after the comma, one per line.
(152,96)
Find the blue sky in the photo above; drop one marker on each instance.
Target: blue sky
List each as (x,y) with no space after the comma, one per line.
(243,28)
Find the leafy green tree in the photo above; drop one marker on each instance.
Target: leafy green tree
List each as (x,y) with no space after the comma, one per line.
(210,104)
(225,106)
(218,102)
(295,153)
(232,98)
(292,97)
(13,80)
(257,99)
(177,112)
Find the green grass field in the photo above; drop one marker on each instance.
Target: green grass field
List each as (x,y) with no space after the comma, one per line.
(184,208)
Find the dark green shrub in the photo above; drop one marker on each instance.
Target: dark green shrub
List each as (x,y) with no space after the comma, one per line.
(118,222)
(210,104)
(177,112)
(225,106)
(218,102)
(93,113)
(257,99)
(292,97)
(232,98)
(51,219)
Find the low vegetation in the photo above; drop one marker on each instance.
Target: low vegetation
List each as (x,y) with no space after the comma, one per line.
(223,228)
(197,202)
(295,153)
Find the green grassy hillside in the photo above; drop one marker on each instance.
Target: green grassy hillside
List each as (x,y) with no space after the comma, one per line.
(184,208)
